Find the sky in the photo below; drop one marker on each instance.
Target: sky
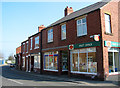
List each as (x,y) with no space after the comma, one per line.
(21,20)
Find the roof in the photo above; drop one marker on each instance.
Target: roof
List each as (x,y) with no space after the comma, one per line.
(81,12)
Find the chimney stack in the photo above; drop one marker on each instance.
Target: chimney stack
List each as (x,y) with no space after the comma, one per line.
(40,28)
(68,10)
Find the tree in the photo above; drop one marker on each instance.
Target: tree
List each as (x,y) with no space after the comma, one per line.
(11,58)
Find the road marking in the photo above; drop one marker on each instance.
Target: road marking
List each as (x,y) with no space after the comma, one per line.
(15,81)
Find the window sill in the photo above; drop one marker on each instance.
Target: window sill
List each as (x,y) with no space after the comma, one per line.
(36,47)
(83,73)
(31,49)
(109,33)
(82,35)
(26,52)
(63,39)
(50,42)
(50,70)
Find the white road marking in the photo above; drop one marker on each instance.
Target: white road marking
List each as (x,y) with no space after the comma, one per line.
(15,81)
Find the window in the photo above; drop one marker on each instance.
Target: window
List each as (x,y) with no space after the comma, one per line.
(23,59)
(37,42)
(63,32)
(107,23)
(84,61)
(23,47)
(27,47)
(81,27)
(31,44)
(36,61)
(50,35)
(51,61)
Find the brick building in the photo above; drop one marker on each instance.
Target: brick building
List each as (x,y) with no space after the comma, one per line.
(18,57)
(82,43)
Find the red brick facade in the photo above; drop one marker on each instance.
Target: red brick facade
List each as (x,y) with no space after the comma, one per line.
(95,26)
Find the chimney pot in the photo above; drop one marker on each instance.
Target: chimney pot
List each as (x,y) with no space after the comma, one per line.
(40,28)
(68,10)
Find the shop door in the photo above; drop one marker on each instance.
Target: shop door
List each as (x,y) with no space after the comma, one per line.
(27,64)
(64,61)
(114,65)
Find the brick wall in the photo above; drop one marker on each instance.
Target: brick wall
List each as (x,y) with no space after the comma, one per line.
(112,9)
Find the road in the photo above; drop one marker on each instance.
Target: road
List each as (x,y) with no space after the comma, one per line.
(12,77)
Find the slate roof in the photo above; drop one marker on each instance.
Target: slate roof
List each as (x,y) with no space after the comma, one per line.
(81,12)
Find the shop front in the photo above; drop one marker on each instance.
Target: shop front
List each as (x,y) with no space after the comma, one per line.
(84,61)
(51,61)
(83,58)
(35,62)
(113,57)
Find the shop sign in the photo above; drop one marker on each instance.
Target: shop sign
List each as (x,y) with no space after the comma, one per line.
(112,44)
(89,44)
(71,47)
(96,37)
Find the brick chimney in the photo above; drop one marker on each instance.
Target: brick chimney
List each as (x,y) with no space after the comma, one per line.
(40,28)
(68,10)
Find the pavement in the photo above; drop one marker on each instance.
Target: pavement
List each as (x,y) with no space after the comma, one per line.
(11,76)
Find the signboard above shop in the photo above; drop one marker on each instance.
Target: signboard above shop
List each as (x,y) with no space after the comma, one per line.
(112,44)
(83,45)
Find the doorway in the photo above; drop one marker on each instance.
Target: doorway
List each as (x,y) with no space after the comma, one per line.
(114,60)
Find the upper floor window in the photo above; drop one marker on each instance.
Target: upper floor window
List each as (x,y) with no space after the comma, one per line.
(27,46)
(81,27)
(37,42)
(23,47)
(50,35)
(31,44)
(63,32)
(107,23)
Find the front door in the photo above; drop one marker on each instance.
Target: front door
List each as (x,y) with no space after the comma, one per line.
(26,63)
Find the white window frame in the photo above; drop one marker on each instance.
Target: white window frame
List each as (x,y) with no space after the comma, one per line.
(36,42)
(50,35)
(23,61)
(31,43)
(63,28)
(27,47)
(78,51)
(84,31)
(108,24)
(23,48)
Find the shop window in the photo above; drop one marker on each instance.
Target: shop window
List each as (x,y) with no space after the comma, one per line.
(51,60)
(84,61)
(92,63)
(81,27)
(36,61)
(75,62)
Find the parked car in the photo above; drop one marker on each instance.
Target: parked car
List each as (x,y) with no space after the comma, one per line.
(12,65)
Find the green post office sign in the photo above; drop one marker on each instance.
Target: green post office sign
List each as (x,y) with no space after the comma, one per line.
(112,44)
(89,44)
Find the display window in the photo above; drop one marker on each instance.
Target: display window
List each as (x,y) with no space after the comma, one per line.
(37,61)
(51,61)
(84,61)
